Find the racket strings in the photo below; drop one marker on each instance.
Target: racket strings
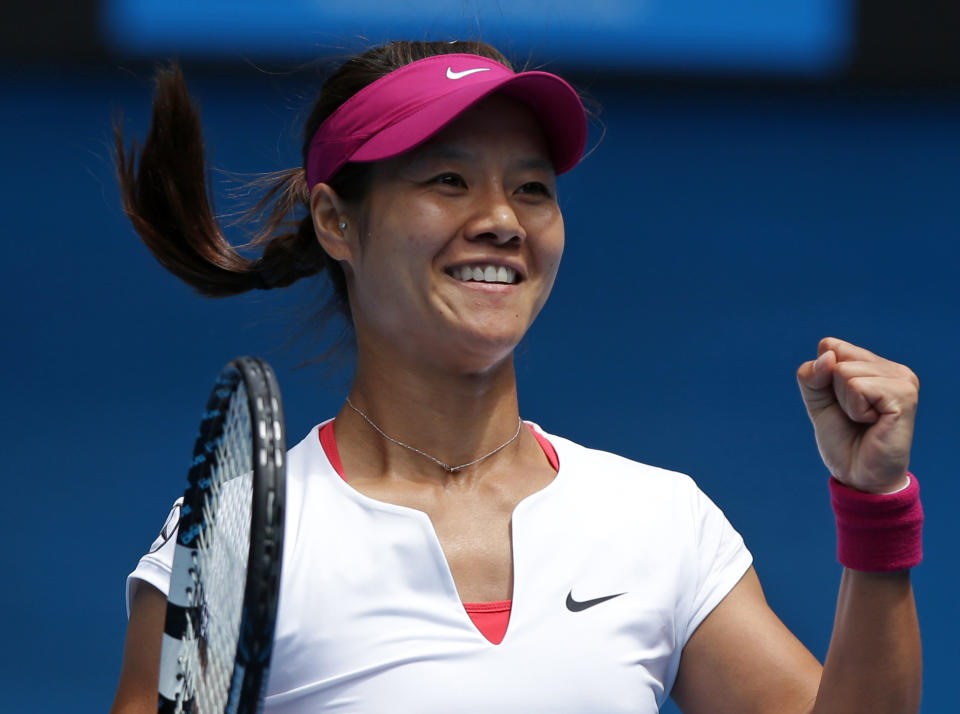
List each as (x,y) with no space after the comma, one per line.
(221,562)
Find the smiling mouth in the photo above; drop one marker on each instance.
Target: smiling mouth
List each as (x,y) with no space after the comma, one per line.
(484,274)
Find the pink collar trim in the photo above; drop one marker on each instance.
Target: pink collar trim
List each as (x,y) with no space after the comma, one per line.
(329,443)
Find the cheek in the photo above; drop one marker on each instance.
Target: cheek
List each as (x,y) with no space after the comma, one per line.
(406,228)
(553,243)
(396,250)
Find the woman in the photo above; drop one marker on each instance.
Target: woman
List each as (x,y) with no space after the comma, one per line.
(441,553)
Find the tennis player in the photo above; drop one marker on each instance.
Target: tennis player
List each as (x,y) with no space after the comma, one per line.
(441,553)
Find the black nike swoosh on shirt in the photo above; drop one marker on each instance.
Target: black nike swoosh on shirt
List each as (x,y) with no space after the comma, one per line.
(575,606)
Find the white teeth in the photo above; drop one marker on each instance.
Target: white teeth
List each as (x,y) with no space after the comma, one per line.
(485,274)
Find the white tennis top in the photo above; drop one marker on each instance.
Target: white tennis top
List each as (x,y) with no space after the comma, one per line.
(370,619)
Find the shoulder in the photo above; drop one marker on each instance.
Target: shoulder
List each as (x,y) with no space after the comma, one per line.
(626,499)
(603,471)
(307,454)
(640,520)
(310,478)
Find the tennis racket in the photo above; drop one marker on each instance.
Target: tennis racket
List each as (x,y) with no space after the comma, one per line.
(222,604)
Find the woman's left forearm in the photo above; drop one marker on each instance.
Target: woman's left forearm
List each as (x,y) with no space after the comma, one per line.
(874,663)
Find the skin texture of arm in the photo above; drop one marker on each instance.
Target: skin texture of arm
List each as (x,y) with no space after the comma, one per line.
(742,658)
(137,690)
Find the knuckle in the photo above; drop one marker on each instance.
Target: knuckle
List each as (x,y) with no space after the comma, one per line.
(910,376)
(849,371)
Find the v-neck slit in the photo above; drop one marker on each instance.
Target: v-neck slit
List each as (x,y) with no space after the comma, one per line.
(491,619)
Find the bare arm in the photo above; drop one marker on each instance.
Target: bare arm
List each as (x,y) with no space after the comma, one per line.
(874,663)
(862,407)
(743,660)
(137,690)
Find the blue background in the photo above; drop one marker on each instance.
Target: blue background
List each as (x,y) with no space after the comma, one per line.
(714,235)
(800,37)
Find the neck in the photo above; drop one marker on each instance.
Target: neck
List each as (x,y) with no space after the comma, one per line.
(455,418)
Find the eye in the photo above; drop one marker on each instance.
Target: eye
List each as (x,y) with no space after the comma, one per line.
(449,179)
(536,188)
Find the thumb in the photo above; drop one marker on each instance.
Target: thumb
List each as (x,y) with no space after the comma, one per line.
(815,379)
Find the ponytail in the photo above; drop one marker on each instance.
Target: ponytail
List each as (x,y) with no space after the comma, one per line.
(166,196)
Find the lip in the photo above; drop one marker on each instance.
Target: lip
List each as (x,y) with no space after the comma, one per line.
(484,287)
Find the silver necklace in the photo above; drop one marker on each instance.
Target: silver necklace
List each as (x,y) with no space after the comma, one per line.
(445,467)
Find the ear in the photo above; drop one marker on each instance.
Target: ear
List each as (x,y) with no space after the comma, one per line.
(329,216)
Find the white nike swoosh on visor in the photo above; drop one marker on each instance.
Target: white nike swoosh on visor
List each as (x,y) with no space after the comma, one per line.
(460,75)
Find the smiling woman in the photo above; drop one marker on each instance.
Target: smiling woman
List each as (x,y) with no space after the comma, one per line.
(477,199)
(442,553)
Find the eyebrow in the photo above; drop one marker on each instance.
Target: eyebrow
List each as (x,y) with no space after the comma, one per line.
(446,152)
(442,151)
(535,164)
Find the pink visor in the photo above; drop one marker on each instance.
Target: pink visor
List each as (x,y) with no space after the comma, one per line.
(408,106)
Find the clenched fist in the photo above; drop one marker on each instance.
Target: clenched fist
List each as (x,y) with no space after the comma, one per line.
(862,407)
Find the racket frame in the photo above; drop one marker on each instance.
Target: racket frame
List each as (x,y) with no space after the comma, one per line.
(261,589)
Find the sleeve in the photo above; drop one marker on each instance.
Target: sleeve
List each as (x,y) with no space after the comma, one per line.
(720,557)
(156,565)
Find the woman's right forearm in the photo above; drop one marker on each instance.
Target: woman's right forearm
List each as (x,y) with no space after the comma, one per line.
(137,689)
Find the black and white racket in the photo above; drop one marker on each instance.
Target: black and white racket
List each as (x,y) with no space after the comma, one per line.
(222,604)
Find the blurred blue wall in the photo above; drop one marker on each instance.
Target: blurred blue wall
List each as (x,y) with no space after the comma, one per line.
(791,37)
(713,236)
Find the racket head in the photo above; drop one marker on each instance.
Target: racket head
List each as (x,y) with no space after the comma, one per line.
(225,581)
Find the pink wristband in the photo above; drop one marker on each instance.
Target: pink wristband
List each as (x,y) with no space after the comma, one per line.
(878,532)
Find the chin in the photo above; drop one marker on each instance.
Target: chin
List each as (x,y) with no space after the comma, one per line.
(473,354)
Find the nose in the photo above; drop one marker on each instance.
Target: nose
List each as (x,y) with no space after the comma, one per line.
(495,220)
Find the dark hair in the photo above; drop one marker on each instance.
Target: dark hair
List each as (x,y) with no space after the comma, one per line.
(165,193)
